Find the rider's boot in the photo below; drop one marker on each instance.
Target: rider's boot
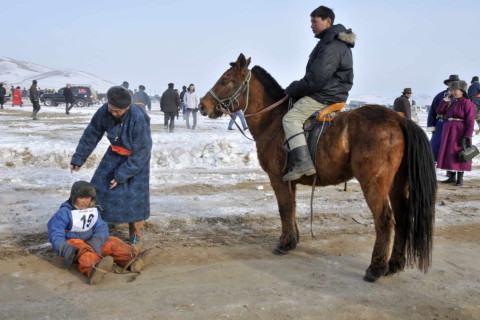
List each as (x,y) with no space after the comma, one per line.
(303,164)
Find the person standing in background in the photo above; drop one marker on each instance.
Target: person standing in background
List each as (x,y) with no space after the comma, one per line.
(434,121)
(239,113)
(414,111)
(67,93)
(182,96)
(34,99)
(170,102)
(17,97)
(141,98)
(126,85)
(3,92)
(459,117)
(474,95)
(402,104)
(191,100)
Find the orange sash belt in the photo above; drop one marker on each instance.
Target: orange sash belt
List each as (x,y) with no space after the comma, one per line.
(140,103)
(476,96)
(121,150)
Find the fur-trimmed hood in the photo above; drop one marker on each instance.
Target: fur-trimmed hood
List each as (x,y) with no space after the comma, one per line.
(339,32)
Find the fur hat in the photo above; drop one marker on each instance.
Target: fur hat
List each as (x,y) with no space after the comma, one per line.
(462,85)
(141,87)
(407,90)
(474,79)
(119,97)
(453,77)
(170,85)
(82,189)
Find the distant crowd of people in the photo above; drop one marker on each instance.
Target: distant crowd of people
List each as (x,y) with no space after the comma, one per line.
(171,102)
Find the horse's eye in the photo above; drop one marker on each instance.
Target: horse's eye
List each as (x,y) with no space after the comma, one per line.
(224,82)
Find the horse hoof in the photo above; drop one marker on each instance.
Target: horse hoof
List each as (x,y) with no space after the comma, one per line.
(369,276)
(394,267)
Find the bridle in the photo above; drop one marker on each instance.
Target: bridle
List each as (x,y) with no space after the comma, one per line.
(226,106)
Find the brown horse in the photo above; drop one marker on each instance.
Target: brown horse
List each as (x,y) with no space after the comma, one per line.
(389,156)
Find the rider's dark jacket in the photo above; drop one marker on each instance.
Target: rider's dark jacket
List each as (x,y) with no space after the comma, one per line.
(329,74)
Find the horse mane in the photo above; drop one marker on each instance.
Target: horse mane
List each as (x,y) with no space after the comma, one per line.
(271,85)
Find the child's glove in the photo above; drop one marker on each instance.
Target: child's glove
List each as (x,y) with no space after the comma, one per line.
(69,253)
(96,244)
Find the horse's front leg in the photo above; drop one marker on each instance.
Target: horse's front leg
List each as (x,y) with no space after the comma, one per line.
(285,194)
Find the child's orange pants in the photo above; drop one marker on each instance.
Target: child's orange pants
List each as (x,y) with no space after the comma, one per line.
(120,251)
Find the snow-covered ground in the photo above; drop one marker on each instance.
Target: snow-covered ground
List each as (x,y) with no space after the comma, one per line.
(195,174)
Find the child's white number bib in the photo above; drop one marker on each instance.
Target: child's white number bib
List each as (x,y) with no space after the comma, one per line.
(84,220)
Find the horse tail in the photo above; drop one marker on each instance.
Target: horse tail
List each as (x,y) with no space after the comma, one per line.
(422,192)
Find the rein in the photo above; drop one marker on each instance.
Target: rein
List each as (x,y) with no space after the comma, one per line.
(276,104)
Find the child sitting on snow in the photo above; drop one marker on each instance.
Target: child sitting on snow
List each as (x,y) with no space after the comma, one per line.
(79,235)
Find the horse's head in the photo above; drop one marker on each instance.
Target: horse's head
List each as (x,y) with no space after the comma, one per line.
(228,94)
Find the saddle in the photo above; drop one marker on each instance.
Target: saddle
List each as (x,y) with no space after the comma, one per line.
(314,127)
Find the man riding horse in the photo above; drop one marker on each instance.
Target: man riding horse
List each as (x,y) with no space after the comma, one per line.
(328,78)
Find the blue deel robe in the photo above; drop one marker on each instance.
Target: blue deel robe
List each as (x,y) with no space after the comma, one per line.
(432,121)
(130,200)
(473,90)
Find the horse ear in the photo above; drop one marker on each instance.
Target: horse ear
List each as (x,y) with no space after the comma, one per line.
(248,61)
(241,62)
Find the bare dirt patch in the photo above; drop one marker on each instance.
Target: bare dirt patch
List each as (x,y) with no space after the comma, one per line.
(223,268)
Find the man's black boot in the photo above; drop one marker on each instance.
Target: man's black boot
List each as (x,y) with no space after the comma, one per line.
(303,164)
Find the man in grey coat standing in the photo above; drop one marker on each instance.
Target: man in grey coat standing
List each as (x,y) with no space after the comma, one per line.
(68,95)
(170,103)
(34,99)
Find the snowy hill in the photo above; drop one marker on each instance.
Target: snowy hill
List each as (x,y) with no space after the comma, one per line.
(21,73)
(420,99)
(13,71)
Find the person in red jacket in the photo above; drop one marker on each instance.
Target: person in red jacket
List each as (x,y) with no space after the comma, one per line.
(17,98)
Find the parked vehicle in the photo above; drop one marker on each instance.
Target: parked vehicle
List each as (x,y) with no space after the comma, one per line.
(82,96)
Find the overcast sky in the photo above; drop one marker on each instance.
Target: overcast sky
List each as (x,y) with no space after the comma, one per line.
(399,44)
